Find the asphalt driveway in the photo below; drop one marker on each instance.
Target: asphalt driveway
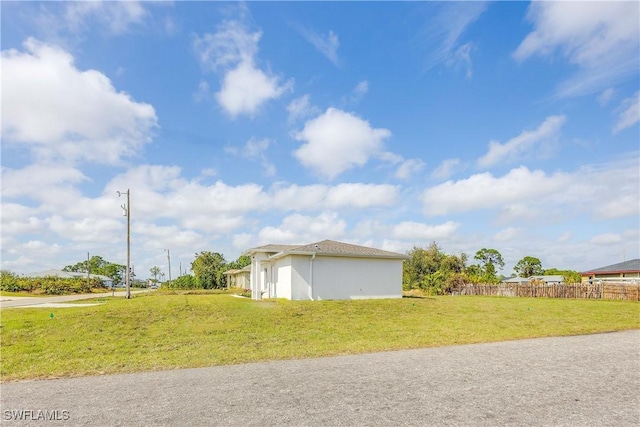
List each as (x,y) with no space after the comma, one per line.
(591,380)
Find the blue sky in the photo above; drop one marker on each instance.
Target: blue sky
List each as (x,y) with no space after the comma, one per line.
(504,125)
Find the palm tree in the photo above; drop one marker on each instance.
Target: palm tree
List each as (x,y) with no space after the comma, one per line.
(155,270)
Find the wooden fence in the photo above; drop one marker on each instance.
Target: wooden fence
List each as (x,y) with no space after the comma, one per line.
(609,291)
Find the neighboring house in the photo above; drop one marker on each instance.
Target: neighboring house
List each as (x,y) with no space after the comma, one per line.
(547,280)
(325,270)
(106,280)
(516,280)
(239,278)
(627,271)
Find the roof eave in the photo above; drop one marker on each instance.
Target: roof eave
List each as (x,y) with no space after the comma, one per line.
(331,254)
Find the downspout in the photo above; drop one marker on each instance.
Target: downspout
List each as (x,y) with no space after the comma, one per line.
(311,275)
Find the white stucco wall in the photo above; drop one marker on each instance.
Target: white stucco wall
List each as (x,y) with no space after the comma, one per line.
(298,277)
(300,270)
(356,278)
(282,276)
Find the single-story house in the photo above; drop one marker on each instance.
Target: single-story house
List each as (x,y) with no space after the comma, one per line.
(516,280)
(239,278)
(106,280)
(623,271)
(552,279)
(326,270)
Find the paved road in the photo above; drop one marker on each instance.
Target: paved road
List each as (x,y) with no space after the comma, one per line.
(12,302)
(591,380)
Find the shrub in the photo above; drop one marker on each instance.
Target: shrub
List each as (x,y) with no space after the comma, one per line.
(183,282)
(49,285)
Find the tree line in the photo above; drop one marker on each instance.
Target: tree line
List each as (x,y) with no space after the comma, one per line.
(435,272)
(208,271)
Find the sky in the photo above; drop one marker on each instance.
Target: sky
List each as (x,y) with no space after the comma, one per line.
(504,125)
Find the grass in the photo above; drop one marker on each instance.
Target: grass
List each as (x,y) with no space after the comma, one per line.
(166,331)
(22,294)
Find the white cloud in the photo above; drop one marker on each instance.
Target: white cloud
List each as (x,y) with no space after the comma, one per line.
(40,181)
(605,191)
(337,141)
(157,237)
(461,58)
(522,145)
(94,229)
(116,16)
(230,45)
(601,38)
(255,149)
(483,191)
(358,92)
(606,239)
(233,50)
(345,195)
(445,27)
(606,96)
(409,167)
(412,231)
(361,88)
(245,88)
(300,108)
(300,229)
(507,234)
(66,114)
(630,113)
(327,45)
(446,169)
(18,220)
(203,92)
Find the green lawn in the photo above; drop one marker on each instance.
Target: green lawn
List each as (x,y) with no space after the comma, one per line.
(165,331)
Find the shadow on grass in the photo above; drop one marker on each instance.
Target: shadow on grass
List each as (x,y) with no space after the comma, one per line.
(418,297)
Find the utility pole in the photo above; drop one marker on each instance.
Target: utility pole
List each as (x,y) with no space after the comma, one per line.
(169,261)
(127,212)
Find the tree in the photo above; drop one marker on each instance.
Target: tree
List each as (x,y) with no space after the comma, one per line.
(155,272)
(489,259)
(422,263)
(183,282)
(570,276)
(98,265)
(242,261)
(208,269)
(528,266)
(454,264)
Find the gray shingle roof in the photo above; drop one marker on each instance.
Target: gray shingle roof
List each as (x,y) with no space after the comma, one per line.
(328,247)
(633,265)
(271,248)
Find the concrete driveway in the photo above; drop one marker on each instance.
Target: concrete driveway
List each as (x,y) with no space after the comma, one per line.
(36,302)
(591,380)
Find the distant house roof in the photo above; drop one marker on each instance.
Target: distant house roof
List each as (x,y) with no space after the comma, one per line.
(67,274)
(548,278)
(246,269)
(631,266)
(328,247)
(516,280)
